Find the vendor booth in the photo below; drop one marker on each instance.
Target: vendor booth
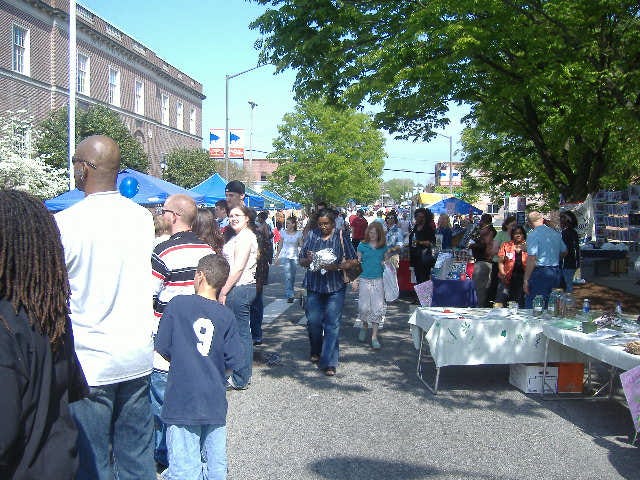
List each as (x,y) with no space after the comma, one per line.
(151,191)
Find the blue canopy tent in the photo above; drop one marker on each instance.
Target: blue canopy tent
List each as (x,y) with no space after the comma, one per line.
(453,206)
(151,191)
(213,190)
(287,203)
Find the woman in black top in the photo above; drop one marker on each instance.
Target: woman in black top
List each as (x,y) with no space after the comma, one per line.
(39,371)
(421,237)
(571,261)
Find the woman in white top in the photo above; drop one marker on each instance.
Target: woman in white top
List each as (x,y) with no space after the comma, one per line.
(288,249)
(239,291)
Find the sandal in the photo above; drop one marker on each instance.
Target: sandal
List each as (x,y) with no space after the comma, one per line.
(375,344)
(314,358)
(362,335)
(330,371)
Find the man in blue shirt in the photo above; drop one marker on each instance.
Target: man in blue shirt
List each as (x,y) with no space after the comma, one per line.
(544,249)
(325,290)
(198,336)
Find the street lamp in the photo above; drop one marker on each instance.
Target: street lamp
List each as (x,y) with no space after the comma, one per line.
(226,114)
(252,105)
(450,161)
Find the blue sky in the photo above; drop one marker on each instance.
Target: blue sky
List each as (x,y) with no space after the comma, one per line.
(209,39)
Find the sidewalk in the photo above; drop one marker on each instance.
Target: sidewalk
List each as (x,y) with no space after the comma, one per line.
(376,421)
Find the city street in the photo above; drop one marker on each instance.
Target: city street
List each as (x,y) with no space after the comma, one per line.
(375,420)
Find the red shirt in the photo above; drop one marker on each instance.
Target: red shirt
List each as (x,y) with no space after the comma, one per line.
(507,254)
(358,226)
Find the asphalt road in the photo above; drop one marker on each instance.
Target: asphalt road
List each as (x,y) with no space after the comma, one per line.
(375,421)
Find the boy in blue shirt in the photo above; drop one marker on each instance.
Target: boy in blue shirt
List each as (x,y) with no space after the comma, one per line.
(198,336)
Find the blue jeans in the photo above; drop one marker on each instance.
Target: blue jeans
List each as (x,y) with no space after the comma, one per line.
(189,444)
(324,314)
(257,314)
(158,387)
(116,416)
(239,300)
(290,266)
(541,282)
(568,274)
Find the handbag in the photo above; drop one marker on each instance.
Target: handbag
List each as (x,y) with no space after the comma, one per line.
(353,272)
(390,283)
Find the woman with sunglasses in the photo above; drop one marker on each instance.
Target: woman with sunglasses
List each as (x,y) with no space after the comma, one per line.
(239,291)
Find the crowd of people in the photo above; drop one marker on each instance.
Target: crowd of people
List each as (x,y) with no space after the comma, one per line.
(117,344)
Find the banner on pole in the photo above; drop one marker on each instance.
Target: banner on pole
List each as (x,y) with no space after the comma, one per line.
(236,143)
(216,143)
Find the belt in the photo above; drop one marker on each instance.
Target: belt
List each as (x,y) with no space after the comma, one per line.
(547,266)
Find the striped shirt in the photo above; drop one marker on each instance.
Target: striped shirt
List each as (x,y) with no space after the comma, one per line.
(331,281)
(174,265)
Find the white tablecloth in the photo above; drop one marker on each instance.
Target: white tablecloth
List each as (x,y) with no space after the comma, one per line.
(603,345)
(477,336)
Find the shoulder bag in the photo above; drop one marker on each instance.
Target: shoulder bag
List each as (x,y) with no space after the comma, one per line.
(353,272)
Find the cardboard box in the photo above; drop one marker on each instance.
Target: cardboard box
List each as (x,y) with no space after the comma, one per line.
(570,377)
(528,378)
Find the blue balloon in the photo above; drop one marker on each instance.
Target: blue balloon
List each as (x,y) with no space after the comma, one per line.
(129,187)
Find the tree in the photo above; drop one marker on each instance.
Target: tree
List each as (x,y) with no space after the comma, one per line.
(327,154)
(398,188)
(189,167)
(96,120)
(20,168)
(552,87)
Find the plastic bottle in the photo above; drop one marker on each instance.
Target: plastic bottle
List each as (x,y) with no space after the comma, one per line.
(570,305)
(618,308)
(586,306)
(552,304)
(538,305)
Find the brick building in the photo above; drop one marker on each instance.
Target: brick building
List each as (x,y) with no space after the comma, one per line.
(260,169)
(161,106)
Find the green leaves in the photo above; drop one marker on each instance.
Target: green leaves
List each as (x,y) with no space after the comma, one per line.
(553,87)
(97,120)
(327,153)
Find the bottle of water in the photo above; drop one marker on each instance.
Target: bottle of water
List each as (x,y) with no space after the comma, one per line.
(552,304)
(586,306)
(618,308)
(538,305)
(570,306)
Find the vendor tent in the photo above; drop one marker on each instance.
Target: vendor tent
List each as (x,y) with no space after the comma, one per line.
(213,190)
(454,206)
(287,203)
(151,191)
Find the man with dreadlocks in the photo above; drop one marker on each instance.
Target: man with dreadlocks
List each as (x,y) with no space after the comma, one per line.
(39,371)
(108,241)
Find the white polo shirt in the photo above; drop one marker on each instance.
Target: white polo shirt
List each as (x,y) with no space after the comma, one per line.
(108,241)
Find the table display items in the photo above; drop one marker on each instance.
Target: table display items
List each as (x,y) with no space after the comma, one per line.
(538,305)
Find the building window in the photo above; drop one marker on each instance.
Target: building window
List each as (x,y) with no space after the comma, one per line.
(179,116)
(83,74)
(114,86)
(164,109)
(192,121)
(20,50)
(139,98)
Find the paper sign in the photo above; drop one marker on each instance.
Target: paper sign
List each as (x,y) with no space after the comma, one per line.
(631,386)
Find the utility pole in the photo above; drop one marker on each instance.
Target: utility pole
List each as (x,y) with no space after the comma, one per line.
(252,105)
(226,114)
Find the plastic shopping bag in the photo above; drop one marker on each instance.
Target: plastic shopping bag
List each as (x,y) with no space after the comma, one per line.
(390,282)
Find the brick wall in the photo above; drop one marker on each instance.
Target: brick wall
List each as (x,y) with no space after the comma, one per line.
(46,86)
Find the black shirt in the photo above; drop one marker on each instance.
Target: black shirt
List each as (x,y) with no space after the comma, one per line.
(37,433)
